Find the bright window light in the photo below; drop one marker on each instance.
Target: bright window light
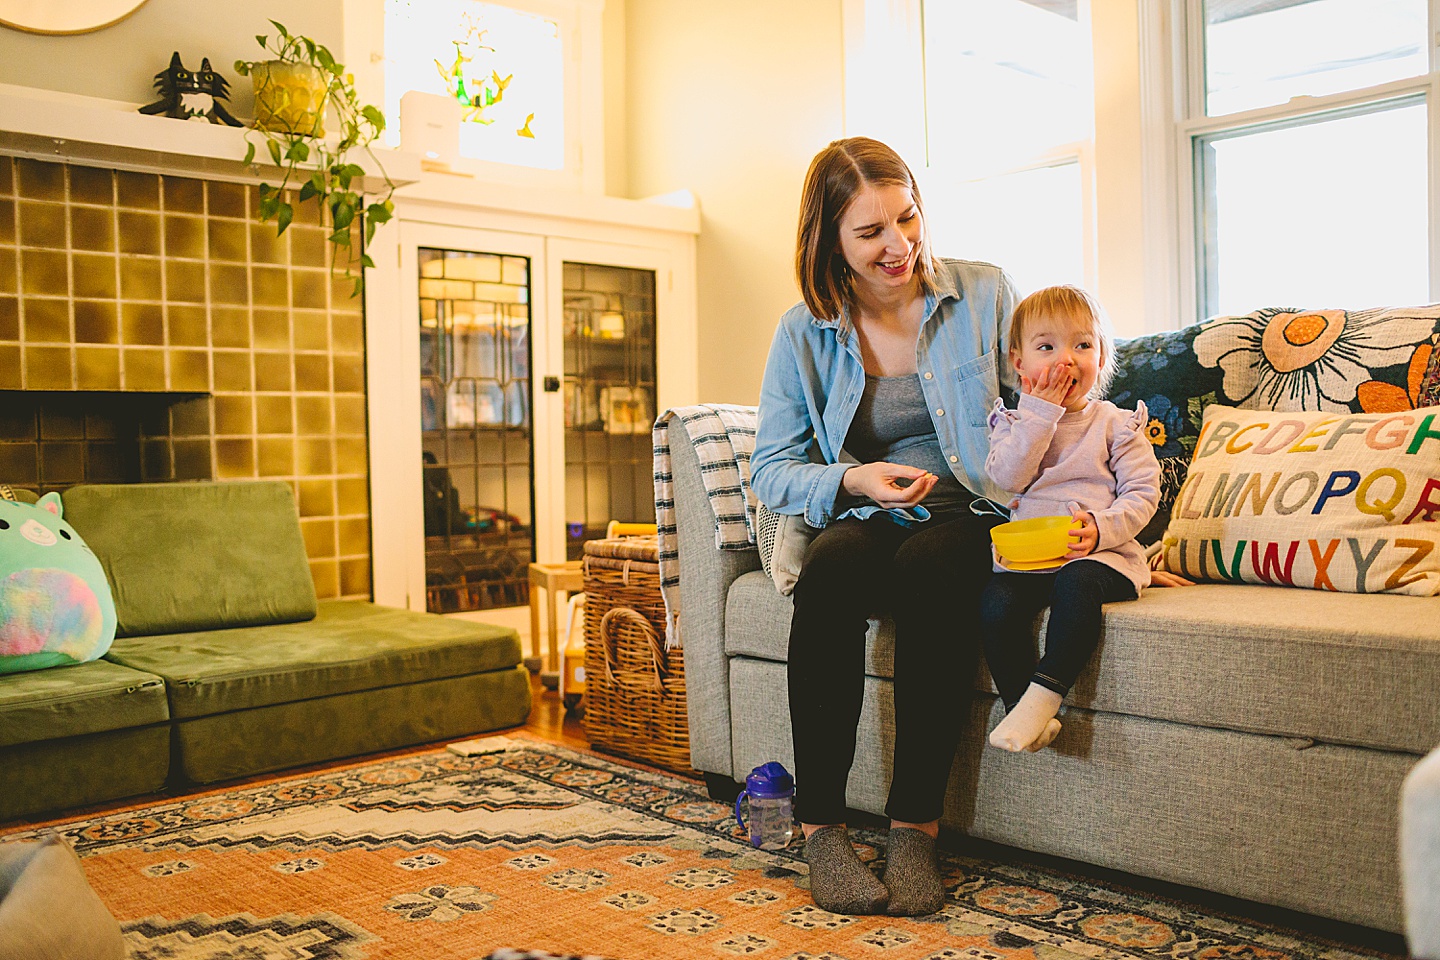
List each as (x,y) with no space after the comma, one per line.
(1307,48)
(1009,107)
(1005,80)
(1030,223)
(505,67)
(1329,213)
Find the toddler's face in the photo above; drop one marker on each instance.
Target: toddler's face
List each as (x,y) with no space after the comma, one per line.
(1064,346)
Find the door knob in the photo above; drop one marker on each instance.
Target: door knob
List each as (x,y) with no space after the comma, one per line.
(552,384)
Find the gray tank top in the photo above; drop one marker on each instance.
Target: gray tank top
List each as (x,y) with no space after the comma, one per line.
(892,423)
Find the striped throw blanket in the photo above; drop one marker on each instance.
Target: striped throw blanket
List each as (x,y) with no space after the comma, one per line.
(723,436)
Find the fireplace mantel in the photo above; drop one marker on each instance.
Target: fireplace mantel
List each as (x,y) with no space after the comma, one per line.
(49,125)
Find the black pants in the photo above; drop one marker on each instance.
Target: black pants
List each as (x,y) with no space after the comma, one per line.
(1009,605)
(929,579)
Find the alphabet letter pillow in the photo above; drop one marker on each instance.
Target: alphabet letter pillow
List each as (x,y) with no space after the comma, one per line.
(55,603)
(1331,501)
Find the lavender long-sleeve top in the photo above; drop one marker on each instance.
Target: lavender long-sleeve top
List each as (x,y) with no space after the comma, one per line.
(1097,458)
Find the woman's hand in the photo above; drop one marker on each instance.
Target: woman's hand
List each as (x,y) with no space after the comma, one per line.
(1053,384)
(881,482)
(1084,540)
(1164,578)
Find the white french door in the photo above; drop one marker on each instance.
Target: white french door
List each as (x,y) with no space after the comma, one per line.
(513,381)
(471,307)
(607,351)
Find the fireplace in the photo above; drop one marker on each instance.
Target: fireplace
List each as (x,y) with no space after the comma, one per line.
(151,330)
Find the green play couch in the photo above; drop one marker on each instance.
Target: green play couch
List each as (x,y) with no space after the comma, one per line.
(225,665)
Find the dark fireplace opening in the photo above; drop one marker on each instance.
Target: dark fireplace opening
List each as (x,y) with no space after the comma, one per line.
(50,440)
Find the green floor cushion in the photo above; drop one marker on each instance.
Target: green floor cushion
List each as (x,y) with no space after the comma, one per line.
(196,556)
(350,645)
(72,701)
(246,742)
(47,908)
(77,771)
(55,606)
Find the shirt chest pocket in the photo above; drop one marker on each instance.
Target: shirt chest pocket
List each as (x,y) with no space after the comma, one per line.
(977,383)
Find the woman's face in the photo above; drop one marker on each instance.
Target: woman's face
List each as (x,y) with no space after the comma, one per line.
(880,236)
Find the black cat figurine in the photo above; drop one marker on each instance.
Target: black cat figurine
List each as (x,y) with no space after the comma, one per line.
(189,95)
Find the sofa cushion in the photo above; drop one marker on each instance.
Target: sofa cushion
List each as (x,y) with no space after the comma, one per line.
(70,701)
(1234,656)
(350,645)
(196,556)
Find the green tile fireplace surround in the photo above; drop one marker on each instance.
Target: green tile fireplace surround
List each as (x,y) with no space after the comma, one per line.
(247,357)
(225,663)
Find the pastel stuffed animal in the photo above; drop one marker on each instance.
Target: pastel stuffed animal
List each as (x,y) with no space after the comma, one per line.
(55,603)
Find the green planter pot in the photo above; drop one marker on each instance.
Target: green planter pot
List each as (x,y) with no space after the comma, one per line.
(290,98)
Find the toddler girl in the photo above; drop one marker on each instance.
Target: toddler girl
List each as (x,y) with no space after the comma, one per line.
(1063,451)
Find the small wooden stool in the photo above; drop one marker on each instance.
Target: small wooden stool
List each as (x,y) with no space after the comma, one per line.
(554,579)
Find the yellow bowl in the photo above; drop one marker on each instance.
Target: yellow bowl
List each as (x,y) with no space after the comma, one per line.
(1036,539)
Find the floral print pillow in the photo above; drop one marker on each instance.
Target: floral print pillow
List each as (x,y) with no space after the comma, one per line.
(1278,358)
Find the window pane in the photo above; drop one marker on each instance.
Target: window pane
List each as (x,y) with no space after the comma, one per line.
(1005,80)
(1330,213)
(1029,223)
(504,66)
(1262,52)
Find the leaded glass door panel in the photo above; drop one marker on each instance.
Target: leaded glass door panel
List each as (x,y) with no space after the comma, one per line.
(477,425)
(609,389)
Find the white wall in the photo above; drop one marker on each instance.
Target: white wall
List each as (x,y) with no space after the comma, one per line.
(617,163)
(731,100)
(120,62)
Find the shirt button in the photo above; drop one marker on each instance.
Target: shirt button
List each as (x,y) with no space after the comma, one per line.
(939,413)
(929,375)
(953,458)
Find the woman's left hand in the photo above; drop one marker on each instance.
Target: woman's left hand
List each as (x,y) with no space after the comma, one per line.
(1164,578)
(1084,540)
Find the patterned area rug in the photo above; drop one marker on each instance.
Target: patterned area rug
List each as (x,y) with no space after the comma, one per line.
(438,855)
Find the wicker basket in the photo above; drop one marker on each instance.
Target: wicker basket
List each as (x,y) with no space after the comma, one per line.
(634,687)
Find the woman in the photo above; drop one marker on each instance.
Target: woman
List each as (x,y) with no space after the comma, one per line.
(872,425)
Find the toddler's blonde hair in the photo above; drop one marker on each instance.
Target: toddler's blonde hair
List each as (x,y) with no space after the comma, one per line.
(1077,306)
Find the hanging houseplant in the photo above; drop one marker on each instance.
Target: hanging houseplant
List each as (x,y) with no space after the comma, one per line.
(293,91)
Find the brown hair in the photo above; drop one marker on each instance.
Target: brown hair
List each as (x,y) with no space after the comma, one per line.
(1073,304)
(837,174)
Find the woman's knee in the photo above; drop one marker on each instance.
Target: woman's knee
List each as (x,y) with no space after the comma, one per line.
(959,548)
(841,552)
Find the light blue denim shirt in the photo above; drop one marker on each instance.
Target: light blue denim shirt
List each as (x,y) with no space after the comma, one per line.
(814,378)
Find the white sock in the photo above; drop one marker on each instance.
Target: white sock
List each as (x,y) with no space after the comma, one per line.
(1031,725)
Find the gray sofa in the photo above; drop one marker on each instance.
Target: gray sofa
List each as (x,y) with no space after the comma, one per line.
(1248,740)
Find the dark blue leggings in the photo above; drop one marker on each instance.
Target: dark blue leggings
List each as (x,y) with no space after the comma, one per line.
(929,578)
(1009,605)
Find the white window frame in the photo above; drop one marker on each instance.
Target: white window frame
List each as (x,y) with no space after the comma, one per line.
(1173,116)
(580,20)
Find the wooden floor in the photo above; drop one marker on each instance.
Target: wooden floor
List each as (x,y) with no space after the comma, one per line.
(549,719)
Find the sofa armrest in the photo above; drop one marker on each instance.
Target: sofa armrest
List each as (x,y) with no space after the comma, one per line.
(1420,856)
(706,573)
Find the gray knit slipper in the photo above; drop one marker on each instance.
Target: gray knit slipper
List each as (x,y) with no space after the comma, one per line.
(839,881)
(912,874)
